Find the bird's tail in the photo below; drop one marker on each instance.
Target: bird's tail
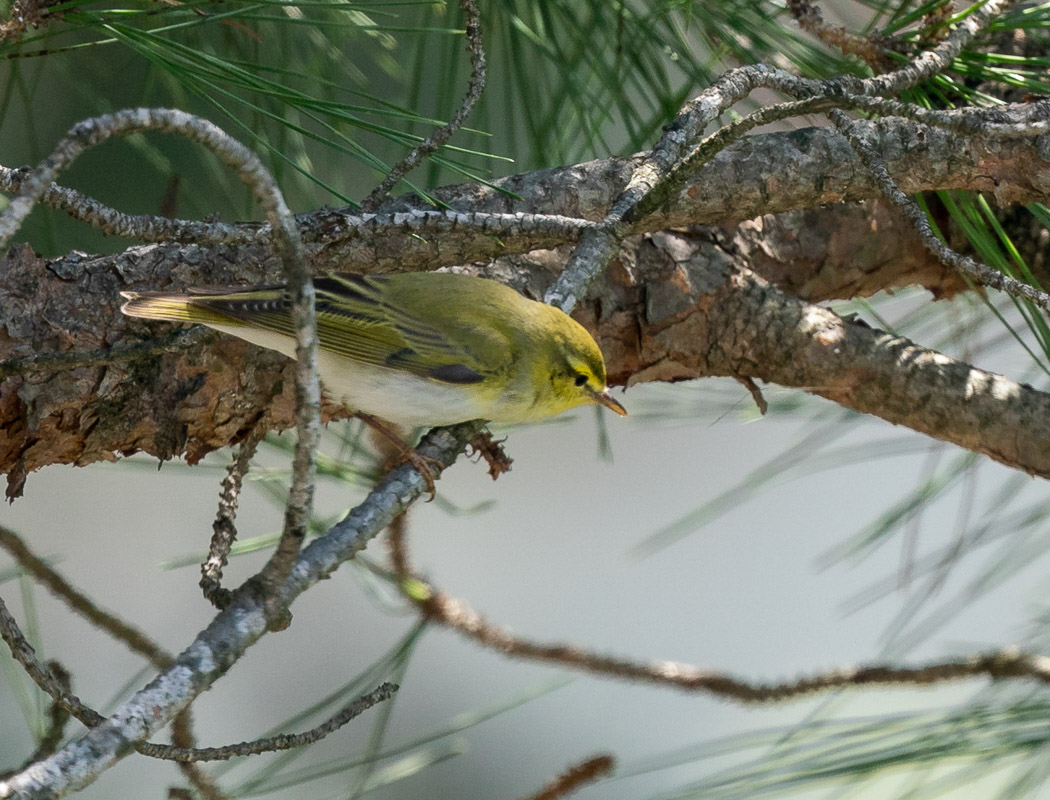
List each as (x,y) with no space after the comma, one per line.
(229,307)
(172,307)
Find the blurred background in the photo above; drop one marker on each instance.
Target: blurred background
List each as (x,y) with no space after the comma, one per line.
(694,530)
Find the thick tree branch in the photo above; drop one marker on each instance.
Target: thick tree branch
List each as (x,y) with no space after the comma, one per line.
(682,307)
(757,175)
(797,344)
(761,174)
(194,400)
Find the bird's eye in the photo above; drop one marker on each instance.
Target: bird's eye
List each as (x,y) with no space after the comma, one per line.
(581,379)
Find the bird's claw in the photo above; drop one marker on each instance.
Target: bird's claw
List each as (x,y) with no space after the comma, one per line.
(424,465)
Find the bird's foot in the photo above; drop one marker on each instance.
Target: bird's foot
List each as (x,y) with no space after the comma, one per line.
(403,454)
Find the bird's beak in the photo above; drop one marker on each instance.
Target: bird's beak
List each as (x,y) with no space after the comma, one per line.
(603,398)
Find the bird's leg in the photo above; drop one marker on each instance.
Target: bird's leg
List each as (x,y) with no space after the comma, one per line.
(406,453)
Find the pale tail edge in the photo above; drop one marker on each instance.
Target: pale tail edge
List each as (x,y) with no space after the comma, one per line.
(171,307)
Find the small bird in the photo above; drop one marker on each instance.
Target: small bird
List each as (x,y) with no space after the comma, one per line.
(416,349)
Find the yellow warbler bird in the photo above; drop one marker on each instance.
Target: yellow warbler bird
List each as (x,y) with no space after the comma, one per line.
(421,348)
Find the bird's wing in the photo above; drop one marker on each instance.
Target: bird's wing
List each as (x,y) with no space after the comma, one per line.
(354,320)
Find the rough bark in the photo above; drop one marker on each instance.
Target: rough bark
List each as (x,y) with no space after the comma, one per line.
(763,174)
(660,313)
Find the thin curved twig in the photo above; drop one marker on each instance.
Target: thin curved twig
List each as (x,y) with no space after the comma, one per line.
(286,241)
(224,529)
(143,227)
(645,188)
(56,686)
(57,681)
(285,741)
(444,133)
(452,613)
(977,271)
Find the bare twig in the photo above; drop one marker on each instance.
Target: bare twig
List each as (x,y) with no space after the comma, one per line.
(980,273)
(872,48)
(287,741)
(42,675)
(92,132)
(1027,120)
(154,228)
(144,227)
(444,133)
(224,529)
(597,248)
(56,685)
(63,702)
(576,777)
(755,392)
(989,122)
(933,61)
(453,613)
